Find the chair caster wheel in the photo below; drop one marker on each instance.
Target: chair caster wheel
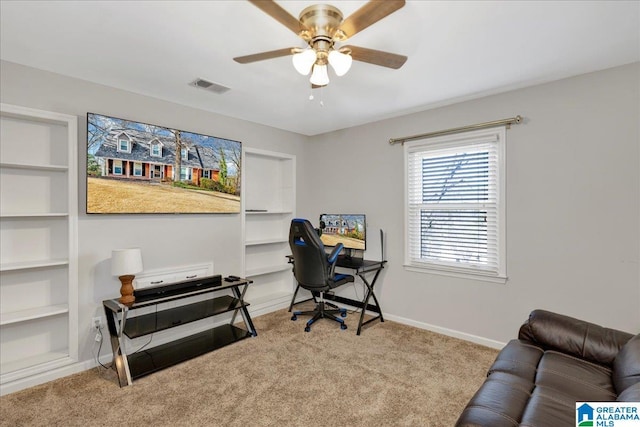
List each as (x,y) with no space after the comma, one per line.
(294,318)
(343,326)
(307,329)
(343,314)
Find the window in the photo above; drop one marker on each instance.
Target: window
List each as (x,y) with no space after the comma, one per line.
(156,150)
(205,173)
(185,174)
(184,153)
(123,145)
(455,204)
(117,167)
(137,169)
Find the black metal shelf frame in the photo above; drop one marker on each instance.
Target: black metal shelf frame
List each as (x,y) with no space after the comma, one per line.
(121,327)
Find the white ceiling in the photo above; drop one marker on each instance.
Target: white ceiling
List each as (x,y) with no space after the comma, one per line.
(457,50)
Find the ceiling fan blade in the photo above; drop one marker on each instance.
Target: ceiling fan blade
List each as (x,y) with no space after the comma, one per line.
(377,57)
(369,14)
(275,11)
(263,55)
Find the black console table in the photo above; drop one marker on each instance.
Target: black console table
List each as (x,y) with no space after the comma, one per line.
(361,267)
(121,324)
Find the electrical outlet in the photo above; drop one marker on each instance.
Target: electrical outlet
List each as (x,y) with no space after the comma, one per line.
(96,323)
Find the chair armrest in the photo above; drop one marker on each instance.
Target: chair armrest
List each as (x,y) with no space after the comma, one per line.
(333,256)
(576,337)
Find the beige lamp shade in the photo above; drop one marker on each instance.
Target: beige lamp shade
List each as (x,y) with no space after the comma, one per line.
(126,262)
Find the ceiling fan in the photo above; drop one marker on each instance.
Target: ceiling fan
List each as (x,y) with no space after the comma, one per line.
(321,26)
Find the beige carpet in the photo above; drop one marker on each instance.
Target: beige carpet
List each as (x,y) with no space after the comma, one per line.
(391,375)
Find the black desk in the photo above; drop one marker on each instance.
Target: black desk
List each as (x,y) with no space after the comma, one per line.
(360,269)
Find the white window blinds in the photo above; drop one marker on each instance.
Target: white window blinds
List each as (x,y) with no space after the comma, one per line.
(455,210)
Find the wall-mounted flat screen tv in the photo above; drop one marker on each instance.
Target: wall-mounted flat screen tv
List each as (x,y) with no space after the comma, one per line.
(348,229)
(138,168)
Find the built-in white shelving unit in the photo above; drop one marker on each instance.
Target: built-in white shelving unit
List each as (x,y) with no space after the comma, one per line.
(268,208)
(38,242)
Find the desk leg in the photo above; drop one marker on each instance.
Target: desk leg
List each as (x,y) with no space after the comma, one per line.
(120,362)
(365,304)
(244,311)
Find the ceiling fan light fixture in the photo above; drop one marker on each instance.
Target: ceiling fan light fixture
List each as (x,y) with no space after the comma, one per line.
(319,77)
(303,61)
(321,26)
(340,62)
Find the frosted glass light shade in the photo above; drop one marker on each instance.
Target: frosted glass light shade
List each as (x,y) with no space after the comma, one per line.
(126,262)
(319,77)
(341,62)
(303,61)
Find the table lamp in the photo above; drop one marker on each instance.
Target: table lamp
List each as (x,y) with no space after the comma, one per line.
(125,263)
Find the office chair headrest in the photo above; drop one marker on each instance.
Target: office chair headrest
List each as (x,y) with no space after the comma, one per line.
(318,230)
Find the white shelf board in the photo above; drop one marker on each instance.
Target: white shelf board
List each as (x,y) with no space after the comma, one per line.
(274,212)
(27,265)
(33,115)
(268,270)
(33,215)
(33,313)
(266,241)
(45,361)
(55,168)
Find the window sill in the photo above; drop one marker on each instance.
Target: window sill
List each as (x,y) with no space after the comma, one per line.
(469,275)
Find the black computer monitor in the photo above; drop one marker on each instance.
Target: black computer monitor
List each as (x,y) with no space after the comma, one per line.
(348,229)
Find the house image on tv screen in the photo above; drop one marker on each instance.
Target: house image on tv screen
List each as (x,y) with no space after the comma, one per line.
(132,154)
(134,167)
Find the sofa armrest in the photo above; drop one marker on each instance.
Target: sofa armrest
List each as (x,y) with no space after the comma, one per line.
(588,341)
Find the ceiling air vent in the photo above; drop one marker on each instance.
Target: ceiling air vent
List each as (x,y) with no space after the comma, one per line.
(210,86)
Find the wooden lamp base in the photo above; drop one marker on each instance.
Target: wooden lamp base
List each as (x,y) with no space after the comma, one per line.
(126,290)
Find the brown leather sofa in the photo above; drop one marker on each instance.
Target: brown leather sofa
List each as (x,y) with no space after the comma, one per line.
(556,361)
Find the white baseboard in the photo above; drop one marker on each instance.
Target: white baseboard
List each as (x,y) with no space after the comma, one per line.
(448,332)
(44,377)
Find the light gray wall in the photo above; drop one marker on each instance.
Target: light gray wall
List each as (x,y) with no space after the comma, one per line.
(166,240)
(573,205)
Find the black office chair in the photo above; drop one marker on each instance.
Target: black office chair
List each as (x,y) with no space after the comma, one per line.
(314,271)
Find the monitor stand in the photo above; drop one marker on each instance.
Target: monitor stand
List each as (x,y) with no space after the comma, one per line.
(351,257)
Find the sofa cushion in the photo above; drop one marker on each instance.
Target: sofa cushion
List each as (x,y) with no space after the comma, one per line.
(626,366)
(518,358)
(582,339)
(575,378)
(548,407)
(499,402)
